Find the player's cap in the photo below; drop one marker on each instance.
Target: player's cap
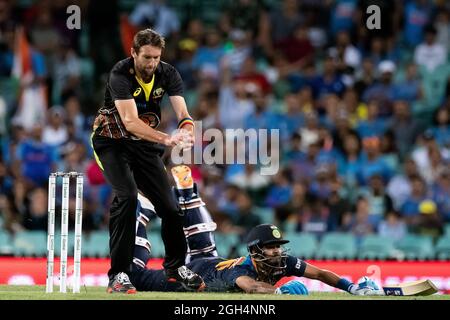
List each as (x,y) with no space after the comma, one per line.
(265,234)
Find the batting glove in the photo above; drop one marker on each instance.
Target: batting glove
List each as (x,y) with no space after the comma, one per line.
(292,287)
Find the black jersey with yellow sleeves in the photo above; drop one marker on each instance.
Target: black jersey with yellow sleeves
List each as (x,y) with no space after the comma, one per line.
(123,84)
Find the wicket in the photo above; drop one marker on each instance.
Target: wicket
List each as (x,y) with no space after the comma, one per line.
(64,230)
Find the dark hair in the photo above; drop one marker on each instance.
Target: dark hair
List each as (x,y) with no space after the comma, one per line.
(148,37)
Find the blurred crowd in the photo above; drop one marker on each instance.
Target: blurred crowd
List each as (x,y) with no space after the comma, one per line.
(364,115)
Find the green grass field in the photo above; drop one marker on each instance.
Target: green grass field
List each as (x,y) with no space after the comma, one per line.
(99,293)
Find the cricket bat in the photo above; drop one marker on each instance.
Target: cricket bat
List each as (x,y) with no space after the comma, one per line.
(414,288)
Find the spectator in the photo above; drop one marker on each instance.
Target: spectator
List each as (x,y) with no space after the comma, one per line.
(380,50)
(297,48)
(186,50)
(262,117)
(66,73)
(288,212)
(416,15)
(234,102)
(243,14)
(382,91)
(410,89)
(38,159)
(249,74)
(314,216)
(246,218)
(338,204)
(389,151)
(280,192)
(410,208)
(284,19)
(303,169)
(347,57)
(309,132)
(44,34)
(293,117)
(442,25)
(329,81)
(227,201)
(428,155)
(157,15)
(430,54)
(35,217)
(379,201)
(354,108)
(373,125)
(429,221)
(441,194)
(207,57)
(399,187)
(371,162)
(241,48)
(293,152)
(404,127)
(392,227)
(76,117)
(441,126)
(321,186)
(251,181)
(349,163)
(360,225)
(436,164)
(343,14)
(55,133)
(365,76)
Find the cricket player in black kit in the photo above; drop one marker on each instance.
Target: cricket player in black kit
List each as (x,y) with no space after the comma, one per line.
(128,148)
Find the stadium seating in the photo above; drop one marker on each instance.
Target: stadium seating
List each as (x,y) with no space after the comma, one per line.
(226,243)
(443,248)
(336,245)
(158,250)
(447,229)
(376,247)
(5,243)
(70,245)
(241,250)
(96,244)
(416,247)
(30,243)
(303,245)
(265,214)
(289,226)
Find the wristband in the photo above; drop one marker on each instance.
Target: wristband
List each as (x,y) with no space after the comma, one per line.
(184,122)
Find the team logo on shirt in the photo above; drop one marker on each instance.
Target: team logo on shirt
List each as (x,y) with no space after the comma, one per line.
(158,93)
(151,119)
(137,92)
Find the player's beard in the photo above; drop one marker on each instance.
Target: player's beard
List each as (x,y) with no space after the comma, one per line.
(146,73)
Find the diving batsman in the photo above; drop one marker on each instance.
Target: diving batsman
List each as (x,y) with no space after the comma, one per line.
(258,272)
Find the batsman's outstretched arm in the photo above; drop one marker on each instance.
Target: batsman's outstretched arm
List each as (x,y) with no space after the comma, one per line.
(325,276)
(332,279)
(250,285)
